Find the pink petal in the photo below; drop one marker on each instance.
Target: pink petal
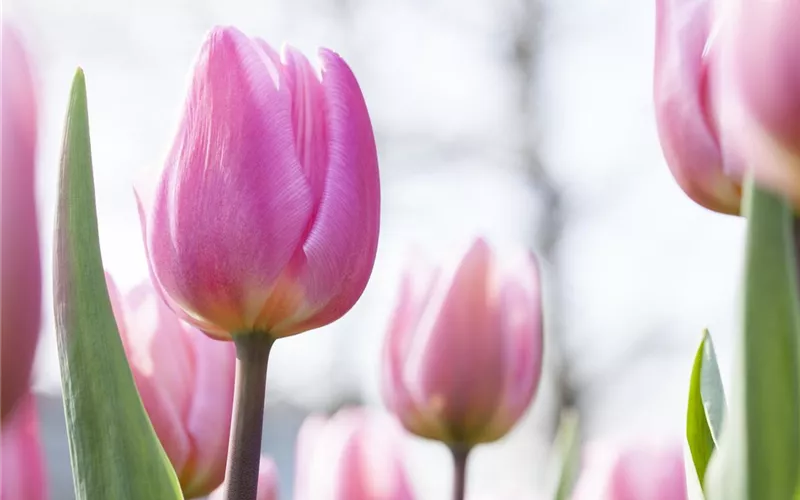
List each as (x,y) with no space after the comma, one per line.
(23,473)
(461,367)
(209,418)
(519,320)
(160,364)
(20,286)
(417,289)
(650,474)
(683,104)
(340,248)
(233,202)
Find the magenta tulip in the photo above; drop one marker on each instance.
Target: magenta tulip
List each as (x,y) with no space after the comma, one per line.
(265,217)
(644,473)
(185,380)
(685,83)
(267,482)
(23,472)
(463,355)
(354,455)
(21,267)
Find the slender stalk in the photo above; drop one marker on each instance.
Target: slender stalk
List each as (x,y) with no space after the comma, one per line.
(244,450)
(460,456)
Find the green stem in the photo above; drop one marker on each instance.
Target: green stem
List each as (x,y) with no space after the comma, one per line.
(460,456)
(244,451)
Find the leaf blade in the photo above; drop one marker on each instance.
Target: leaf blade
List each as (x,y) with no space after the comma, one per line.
(114,451)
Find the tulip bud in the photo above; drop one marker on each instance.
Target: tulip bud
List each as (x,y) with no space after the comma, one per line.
(265,217)
(267,482)
(23,473)
(645,473)
(185,380)
(354,455)
(21,269)
(684,87)
(463,356)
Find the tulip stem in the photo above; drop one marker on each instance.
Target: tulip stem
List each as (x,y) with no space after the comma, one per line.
(460,456)
(244,451)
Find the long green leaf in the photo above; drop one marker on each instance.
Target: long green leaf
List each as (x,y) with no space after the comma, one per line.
(706,407)
(759,455)
(113,449)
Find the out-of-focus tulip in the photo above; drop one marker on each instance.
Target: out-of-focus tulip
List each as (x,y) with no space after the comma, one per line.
(354,455)
(23,473)
(265,217)
(685,82)
(267,482)
(185,380)
(463,355)
(645,473)
(20,266)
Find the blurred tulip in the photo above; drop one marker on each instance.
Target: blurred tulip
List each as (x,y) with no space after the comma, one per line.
(267,482)
(684,86)
(463,356)
(21,268)
(643,473)
(185,380)
(354,455)
(265,217)
(23,473)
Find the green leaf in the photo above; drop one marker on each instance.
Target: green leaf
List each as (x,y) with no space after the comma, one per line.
(568,443)
(706,407)
(114,451)
(758,456)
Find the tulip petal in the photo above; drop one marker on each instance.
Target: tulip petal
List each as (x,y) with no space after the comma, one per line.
(519,317)
(339,251)
(209,419)
(159,364)
(20,283)
(23,474)
(416,290)
(233,202)
(683,104)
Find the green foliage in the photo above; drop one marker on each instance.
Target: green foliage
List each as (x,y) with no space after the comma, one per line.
(114,451)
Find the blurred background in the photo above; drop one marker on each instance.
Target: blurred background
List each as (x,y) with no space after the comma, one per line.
(528,121)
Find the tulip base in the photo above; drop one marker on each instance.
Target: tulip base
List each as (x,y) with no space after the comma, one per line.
(244,451)
(460,456)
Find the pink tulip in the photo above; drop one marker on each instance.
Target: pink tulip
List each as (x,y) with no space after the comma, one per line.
(354,455)
(23,472)
(267,482)
(21,268)
(185,380)
(645,473)
(265,217)
(685,83)
(463,355)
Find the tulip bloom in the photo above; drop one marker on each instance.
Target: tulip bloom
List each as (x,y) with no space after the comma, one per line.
(267,482)
(185,380)
(650,473)
(20,286)
(354,455)
(685,82)
(265,217)
(23,473)
(463,355)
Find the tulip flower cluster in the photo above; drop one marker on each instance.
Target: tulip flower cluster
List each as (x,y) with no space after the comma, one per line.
(264,223)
